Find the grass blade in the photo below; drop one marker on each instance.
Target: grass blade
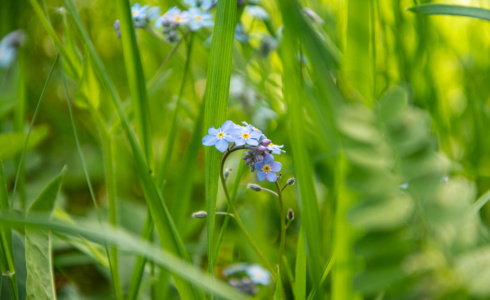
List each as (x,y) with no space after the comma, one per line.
(453,10)
(216,103)
(300,268)
(130,244)
(136,78)
(40,279)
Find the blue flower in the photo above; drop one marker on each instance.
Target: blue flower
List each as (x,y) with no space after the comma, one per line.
(199,19)
(173,16)
(275,149)
(268,168)
(8,47)
(246,135)
(142,15)
(257,12)
(219,137)
(203,4)
(255,129)
(258,275)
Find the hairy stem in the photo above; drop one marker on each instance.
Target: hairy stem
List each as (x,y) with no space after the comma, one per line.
(283,225)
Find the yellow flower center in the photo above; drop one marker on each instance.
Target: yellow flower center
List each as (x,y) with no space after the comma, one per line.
(177,19)
(245,135)
(221,135)
(198,18)
(267,168)
(134,12)
(271,144)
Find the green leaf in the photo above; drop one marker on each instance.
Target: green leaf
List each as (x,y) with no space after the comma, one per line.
(216,103)
(40,280)
(278,290)
(13,142)
(453,10)
(474,269)
(300,269)
(129,243)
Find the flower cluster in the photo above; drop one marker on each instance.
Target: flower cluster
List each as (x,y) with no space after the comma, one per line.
(259,148)
(142,16)
(246,277)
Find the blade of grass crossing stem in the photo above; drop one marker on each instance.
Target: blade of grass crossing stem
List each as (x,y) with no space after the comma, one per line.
(453,10)
(302,161)
(300,268)
(357,67)
(326,270)
(20,165)
(40,279)
(216,102)
(344,270)
(278,290)
(136,78)
(7,258)
(164,224)
(112,263)
(131,244)
(167,153)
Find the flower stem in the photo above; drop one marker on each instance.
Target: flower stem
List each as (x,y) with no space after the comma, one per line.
(283,225)
(237,217)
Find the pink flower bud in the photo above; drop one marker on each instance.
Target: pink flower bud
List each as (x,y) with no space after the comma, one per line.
(265,142)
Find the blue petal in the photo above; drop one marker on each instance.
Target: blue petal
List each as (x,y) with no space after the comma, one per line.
(276,166)
(259,165)
(255,134)
(213,130)
(268,159)
(228,126)
(271,176)
(239,141)
(252,142)
(261,175)
(229,138)
(209,140)
(236,132)
(222,145)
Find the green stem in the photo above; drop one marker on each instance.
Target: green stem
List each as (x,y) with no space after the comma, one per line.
(235,213)
(283,226)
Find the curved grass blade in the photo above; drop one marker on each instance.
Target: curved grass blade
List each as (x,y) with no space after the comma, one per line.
(136,79)
(40,279)
(452,10)
(131,244)
(216,103)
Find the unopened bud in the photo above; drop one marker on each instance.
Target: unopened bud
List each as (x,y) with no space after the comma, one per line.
(290,181)
(227,172)
(290,215)
(265,142)
(261,148)
(200,214)
(254,187)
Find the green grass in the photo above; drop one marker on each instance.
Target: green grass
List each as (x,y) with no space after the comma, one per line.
(382,108)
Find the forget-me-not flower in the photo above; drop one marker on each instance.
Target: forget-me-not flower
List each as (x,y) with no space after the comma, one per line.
(203,4)
(246,135)
(143,14)
(8,47)
(257,12)
(173,16)
(219,137)
(268,168)
(199,19)
(275,149)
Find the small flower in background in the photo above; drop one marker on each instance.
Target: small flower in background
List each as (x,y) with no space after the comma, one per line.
(142,15)
(257,12)
(219,137)
(9,46)
(204,5)
(246,135)
(117,28)
(199,19)
(275,149)
(313,16)
(173,16)
(241,34)
(245,277)
(268,168)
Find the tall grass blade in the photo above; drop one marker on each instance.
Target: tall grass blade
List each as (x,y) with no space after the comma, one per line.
(40,279)
(452,10)
(216,103)
(136,79)
(300,268)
